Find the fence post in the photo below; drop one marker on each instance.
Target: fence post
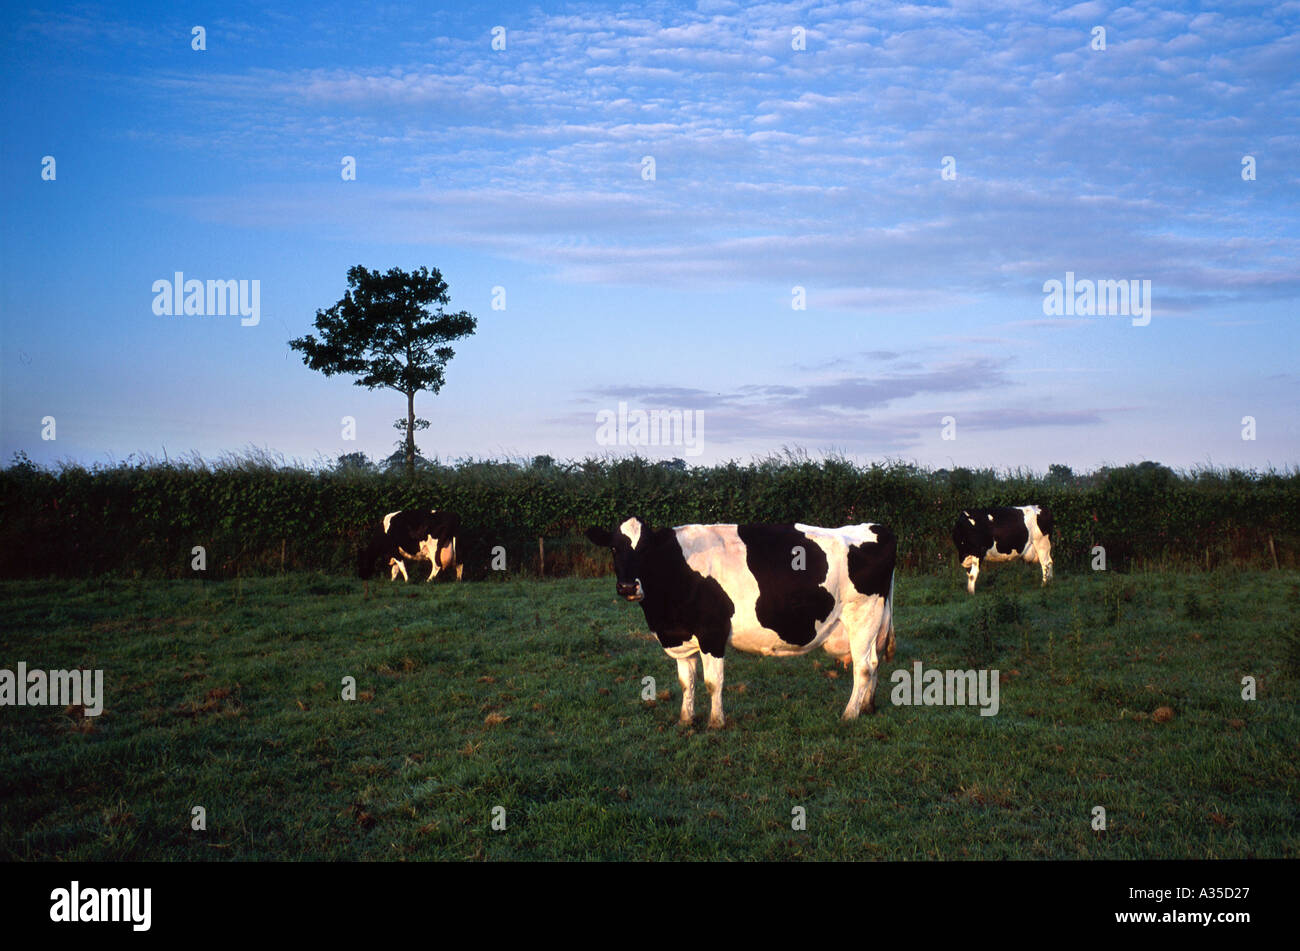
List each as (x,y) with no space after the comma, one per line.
(541,556)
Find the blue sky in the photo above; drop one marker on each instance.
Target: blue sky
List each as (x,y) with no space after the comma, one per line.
(774,168)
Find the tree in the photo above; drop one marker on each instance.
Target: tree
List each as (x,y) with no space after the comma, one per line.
(353,462)
(386,331)
(1060,474)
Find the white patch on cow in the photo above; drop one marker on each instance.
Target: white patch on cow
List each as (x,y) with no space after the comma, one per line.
(683,650)
(388,518)
(716,551)
(631,529)
(994,555)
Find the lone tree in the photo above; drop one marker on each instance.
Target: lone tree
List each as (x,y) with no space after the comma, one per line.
(385,331)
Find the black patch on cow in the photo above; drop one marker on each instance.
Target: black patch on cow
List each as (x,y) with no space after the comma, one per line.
(1005,533)
(790,601)
(1045,523)
(871,564)
(406,530)
(679,603)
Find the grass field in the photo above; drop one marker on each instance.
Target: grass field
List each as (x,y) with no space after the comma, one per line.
(527,695)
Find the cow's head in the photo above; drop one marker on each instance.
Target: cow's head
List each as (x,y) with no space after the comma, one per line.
(628,542)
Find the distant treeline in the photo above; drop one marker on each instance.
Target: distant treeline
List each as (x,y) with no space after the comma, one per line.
(254,515)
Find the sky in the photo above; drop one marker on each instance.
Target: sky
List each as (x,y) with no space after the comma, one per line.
(816,226)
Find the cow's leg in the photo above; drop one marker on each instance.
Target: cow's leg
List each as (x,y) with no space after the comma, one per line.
(686,677)
(1044,548)
(430,548)
(972,566)
(401,566)
(392,569)
(868,624)
(713,680)
(459,569)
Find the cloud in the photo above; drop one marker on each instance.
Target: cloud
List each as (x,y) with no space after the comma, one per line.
(852,411)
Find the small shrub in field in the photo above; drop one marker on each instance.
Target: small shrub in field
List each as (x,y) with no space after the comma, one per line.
(1193,609)
(979,637)
(1113,597)
(1006,609)
(1076,623)
(1291,654)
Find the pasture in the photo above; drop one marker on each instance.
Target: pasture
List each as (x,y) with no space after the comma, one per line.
(527,695)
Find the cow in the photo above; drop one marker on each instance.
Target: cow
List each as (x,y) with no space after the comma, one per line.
(776,590)
(414,535)
(1003,534)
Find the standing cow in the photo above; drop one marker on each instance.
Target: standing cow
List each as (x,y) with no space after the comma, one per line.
(1003,534)
(778,590)
(413,535)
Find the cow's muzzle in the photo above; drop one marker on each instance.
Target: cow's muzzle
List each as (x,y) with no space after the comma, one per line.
(632,591)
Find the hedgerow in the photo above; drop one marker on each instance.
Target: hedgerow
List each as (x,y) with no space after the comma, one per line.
(254,514)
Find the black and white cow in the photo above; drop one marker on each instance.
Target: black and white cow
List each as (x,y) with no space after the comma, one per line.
(413,535)
(778,590)
(1003,534)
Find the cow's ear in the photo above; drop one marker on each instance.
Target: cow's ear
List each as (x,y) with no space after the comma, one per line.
(600,536)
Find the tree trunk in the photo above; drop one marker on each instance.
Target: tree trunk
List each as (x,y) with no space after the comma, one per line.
(410,435)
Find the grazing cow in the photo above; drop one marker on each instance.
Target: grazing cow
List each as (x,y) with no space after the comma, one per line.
(416,536)
(1003,534)
(778,590)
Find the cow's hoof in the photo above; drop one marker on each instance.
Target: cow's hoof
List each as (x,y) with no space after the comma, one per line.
(716,724)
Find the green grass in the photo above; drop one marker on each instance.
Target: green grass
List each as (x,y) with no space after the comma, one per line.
(527,695)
